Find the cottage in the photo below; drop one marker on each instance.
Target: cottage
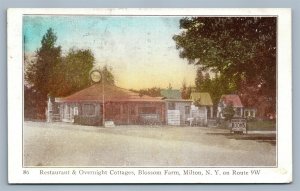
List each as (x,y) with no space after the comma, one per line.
(203,100)
(103,102)
(178,110)
(236,103)
(202,108)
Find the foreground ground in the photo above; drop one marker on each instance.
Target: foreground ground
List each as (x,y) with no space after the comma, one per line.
(62,144)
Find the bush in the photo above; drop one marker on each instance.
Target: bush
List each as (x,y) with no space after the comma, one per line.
(88,120)
(228,112)
(224,124)
(265,125)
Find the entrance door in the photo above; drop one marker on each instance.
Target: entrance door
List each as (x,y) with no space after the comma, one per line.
(173,117)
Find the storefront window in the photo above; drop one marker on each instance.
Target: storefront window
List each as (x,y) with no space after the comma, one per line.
(89,109)
(147,110)
(132,111)
(116,110)
(125,109)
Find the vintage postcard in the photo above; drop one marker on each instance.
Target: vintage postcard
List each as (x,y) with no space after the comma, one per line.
(149,96)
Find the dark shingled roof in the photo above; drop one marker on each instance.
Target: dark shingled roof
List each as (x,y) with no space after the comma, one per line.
(111,93)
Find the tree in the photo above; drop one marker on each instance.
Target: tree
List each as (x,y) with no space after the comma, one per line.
(51,74)
(241,49)
(185,91)
(107,75)
(30,103)
(206,86)
(219,85)
(169,86)
(73,73)
(199,80)
(153,92)
(40,74)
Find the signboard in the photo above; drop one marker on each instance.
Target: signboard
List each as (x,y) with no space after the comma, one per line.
(109,124)
(239,125)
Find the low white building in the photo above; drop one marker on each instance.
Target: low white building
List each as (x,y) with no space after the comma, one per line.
(178,111)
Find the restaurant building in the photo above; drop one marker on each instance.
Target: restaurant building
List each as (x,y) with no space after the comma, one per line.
(103,102)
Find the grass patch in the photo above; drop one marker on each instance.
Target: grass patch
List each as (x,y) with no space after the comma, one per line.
(261,126)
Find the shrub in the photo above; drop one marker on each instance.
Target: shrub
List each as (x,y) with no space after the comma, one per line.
(228,112)
(88,120)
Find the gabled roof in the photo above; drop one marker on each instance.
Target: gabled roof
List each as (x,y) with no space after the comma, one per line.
(170,94)
(232,98)
(203,97)
(108,93)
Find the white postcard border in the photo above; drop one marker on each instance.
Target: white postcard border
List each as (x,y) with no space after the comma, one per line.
(280,174)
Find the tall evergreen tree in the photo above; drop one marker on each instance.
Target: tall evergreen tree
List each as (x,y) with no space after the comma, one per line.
(199,80)
(51,74)
(206,83)
(185,91)
(108,76)
(40,74)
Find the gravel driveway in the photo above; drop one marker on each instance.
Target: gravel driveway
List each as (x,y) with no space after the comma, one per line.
(63,144)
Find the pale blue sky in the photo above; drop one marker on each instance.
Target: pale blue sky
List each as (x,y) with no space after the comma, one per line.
(139,49)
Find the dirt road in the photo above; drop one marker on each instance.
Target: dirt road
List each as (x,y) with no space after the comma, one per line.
(62,144)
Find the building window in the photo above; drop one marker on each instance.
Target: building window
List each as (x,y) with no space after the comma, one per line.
(171,106)
(88,109)
(240,112)
(187,109)
(66,111)
(116,110)
(132,110)
(147,110)
(75,110)
(125,109)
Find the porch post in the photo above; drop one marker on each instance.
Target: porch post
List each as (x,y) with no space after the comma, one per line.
(242,112)
(128,113)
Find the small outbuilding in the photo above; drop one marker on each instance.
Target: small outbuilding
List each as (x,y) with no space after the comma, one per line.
(178,110)
(202,108)
(235,101)
(204,102)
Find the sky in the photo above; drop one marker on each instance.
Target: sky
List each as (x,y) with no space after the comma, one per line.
(139,49)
